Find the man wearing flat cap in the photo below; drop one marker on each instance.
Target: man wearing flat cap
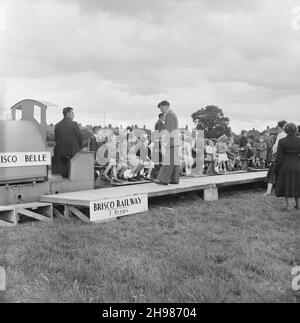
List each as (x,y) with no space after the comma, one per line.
(169,172)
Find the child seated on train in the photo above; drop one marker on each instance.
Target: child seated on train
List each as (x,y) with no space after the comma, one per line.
(251,150)
(107,157)
(122,168)
(233,155)
(210,156)
(256,163)
(94,142)
(186,157)
(143,151)
(254,160)
(134,162)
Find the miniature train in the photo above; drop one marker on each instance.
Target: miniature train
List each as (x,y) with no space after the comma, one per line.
(22,146)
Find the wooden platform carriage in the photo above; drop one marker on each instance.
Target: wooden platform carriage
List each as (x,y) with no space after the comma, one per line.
(81,204)
(30,191)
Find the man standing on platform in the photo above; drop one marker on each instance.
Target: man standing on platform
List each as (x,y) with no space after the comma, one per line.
(169,173)
(68,140)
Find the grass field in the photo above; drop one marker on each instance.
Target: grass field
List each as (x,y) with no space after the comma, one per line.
(238,249)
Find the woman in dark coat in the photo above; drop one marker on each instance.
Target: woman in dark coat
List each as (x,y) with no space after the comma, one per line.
(287,167)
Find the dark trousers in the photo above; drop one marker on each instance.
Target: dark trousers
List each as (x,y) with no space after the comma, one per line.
(64,166)
(169,173)
(269,156)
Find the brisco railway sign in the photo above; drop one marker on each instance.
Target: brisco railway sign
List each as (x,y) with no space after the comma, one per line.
(24,159)
(117,207)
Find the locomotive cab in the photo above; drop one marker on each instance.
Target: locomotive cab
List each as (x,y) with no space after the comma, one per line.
(25,159)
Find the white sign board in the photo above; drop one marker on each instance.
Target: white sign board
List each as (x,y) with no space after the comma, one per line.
(115,207)
(25,159)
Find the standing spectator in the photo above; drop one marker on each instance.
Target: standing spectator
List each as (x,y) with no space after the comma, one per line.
(233,155)
(243,140)
(270,143)
(262,149)
(251,150)
(68,140)
(222,154)
(287,167)
(243,145)
(271,176)
(281,134)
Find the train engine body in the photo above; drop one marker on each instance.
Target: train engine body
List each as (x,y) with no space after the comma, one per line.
(25,159)
(22,153)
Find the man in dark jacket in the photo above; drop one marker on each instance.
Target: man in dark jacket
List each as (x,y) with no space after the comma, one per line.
(68,140)
(169,173)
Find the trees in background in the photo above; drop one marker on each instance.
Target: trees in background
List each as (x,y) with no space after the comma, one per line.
(211,119)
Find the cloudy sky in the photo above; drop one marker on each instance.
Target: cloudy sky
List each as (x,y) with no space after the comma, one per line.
(121,57)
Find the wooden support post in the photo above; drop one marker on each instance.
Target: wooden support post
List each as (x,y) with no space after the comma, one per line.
(47,211)
(34,215)
(211,194)
(79,214)
(58,214)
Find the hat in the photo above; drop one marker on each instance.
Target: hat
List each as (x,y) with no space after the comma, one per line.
(163,104)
